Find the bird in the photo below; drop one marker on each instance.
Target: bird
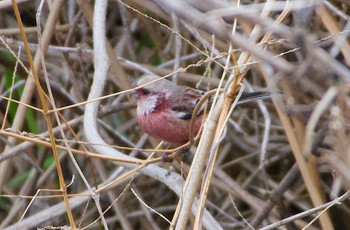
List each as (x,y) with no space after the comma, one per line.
(164,109)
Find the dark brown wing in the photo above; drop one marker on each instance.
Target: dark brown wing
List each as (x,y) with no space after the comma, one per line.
(185,107)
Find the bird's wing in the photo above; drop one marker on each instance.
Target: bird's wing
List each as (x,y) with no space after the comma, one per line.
(185,107)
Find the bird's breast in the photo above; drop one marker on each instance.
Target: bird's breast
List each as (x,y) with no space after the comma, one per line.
(164,126)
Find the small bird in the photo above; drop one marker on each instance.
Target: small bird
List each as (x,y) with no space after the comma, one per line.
(164,109)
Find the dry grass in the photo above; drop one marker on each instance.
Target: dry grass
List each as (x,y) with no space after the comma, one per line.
(73,156)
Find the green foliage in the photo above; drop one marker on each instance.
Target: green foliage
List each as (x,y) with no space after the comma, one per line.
(146,41)
(16,94)
(49,160)
(5,204)
(18,180)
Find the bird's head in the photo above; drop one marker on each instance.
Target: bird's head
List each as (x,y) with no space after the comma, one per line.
(152,93)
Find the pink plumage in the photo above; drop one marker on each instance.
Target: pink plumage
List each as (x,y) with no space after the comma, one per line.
(164,109)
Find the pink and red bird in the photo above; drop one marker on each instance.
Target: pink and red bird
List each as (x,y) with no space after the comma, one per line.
(164,109)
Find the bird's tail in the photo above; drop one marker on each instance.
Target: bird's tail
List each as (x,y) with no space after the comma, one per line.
(253,96)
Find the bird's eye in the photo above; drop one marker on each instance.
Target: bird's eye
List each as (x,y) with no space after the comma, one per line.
(145,91)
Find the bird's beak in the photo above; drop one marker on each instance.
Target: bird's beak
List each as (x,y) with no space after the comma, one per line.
(133,94)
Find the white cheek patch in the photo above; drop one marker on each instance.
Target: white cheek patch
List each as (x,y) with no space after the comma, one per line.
(147,105)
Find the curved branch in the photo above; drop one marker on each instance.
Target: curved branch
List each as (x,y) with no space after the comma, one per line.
(173,180)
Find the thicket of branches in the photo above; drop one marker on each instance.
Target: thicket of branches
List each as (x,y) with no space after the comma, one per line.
(72,153)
